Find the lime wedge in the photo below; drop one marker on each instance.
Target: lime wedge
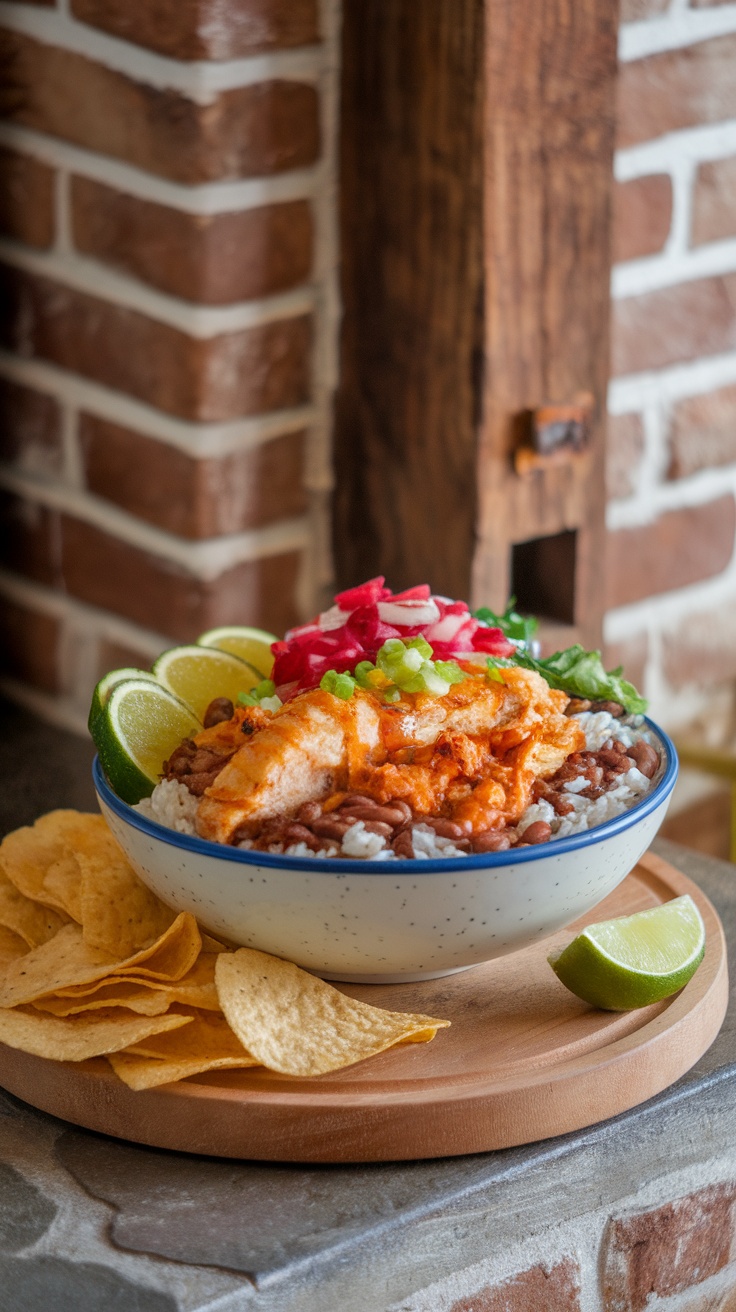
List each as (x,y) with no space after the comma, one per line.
(197,674)
(136,731)
(106,685)
(251,645)
(634,960)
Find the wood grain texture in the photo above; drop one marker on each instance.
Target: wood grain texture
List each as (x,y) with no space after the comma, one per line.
(407,408)
(476,178)
(548,150)
(522,1061)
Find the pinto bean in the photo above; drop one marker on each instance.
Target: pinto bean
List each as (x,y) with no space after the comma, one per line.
(378,827)
(296,833)
(614,708)
(539,832)
(397,805)
(219,710)
(444,828)
(204,759)
(493,840)
(358,799)
(645,758)
(576,705)
(309,812)
(402,844)
(328,826)
(386,815)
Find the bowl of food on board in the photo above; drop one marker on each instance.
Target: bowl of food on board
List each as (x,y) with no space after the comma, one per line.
(398,790)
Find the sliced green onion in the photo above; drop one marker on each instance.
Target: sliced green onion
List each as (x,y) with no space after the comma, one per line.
(266,688)
(339,684)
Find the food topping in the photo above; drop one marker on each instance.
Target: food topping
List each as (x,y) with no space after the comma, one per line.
(354,630)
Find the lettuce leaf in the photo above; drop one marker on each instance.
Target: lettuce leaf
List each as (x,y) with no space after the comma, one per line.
(581,673)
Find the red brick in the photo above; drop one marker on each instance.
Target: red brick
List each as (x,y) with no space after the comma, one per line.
(714,202)
(668,1249)
(215,259)
(194,498)
(244,132)
(677,323)
(30,540)
(119,656)
(703,433)
(681,547)
(702,650)
(632,11)
(205,29)
(624,450)
(556,1290)
(631,655)
(238,373)
(677,89)
(29,647)
(642,215)
(103,571)
(26,199)
(30,424)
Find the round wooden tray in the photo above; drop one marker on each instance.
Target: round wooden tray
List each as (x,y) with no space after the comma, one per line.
(524,1060)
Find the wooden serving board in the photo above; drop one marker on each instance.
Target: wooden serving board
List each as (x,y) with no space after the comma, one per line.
(524,1060)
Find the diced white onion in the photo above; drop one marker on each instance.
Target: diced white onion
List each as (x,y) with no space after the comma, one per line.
(334,618)
(445,629)
(408,612)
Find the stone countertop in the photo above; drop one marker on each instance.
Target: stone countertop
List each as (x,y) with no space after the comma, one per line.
(89,1223)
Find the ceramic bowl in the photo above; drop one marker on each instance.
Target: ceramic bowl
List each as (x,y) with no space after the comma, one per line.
(383,922)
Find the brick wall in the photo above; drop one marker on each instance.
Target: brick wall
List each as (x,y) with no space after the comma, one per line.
(167,350)
(673,1256)
(672,450)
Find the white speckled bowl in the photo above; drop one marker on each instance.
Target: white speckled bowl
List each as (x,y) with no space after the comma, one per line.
(382,922)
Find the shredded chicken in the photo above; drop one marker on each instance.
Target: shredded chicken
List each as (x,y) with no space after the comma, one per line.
(471,756)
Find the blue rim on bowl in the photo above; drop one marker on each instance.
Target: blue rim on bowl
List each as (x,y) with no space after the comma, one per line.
(344,865)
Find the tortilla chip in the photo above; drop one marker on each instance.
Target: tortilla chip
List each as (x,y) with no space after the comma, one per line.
(159,1059)
(210,944)
(63,881)
(118,913)
(135,997)
(297,1024)
(34,922)
(67,960)
(196,989)
(78,1037)
(27,854)
(12,946)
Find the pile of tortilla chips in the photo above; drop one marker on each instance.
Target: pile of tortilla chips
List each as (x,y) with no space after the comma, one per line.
(92,964)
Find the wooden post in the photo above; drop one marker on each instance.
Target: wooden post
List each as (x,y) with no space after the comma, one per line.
(476,173)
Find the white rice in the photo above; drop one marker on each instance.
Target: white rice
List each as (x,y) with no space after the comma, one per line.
(171,804)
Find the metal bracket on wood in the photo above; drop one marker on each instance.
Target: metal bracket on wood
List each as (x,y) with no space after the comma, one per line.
(555,433)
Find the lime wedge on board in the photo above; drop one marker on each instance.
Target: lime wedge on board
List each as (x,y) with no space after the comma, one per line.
(198,674)
(251,645)
(634,960)
(138,728)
